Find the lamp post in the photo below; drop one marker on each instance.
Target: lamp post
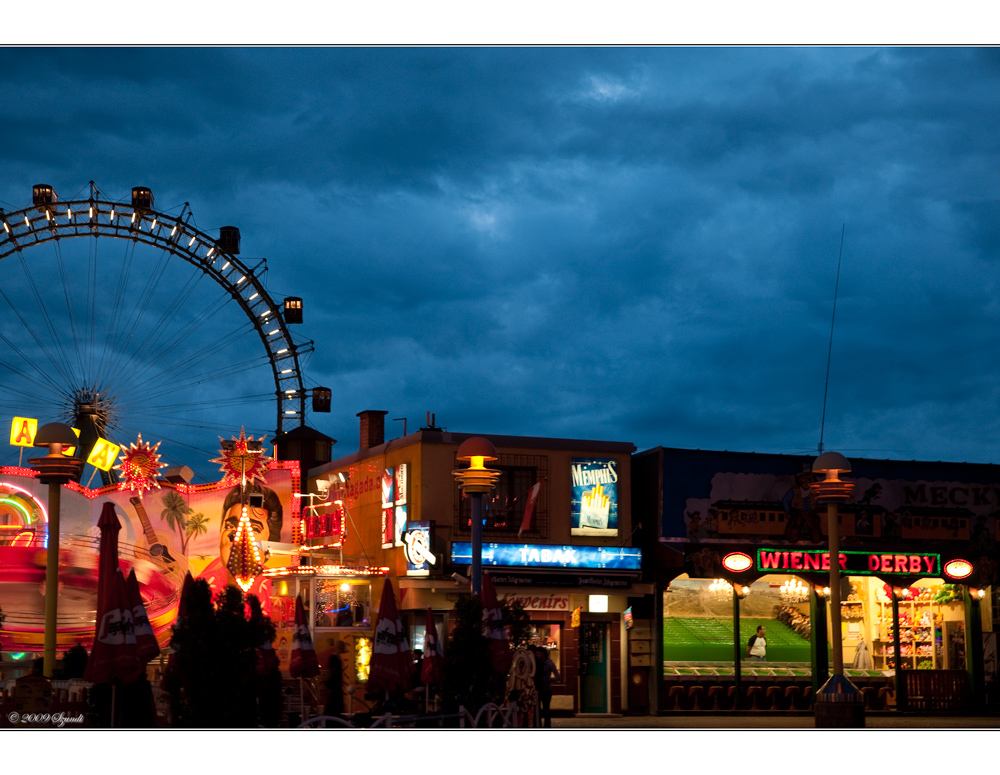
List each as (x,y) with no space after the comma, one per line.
(739,592)
(55,469)
(818,639)
(475,481)
(838,703)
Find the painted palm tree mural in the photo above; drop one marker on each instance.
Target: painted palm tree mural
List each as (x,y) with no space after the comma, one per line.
(197,524)
(175,513)
(182,519)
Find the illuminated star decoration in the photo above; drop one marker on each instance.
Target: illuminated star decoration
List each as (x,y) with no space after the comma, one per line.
(243,460)
(244,557)
(140,466)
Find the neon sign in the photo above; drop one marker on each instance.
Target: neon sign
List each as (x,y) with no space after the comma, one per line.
(853,562)
(549,556)
(958,569)
(417,548)
(737,562)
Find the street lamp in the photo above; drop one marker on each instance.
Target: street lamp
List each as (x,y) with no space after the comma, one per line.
(475,481)
(55,470)
(739,592)
(838,703)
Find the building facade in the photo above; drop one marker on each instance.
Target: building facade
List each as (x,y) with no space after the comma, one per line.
(919,559)
(568,557)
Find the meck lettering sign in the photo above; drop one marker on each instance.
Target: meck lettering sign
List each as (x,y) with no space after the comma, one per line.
(853,562)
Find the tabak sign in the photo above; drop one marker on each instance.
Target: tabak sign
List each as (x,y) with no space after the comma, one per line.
(550,556)
(853,562)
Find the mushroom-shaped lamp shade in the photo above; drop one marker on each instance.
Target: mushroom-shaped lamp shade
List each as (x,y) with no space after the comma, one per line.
(831,461)
(55,433)
(477,451)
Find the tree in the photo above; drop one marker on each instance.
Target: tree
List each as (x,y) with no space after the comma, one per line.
(517,622)
(469,679)
(213,681)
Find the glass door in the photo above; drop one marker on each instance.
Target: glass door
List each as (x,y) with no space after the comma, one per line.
(595,661)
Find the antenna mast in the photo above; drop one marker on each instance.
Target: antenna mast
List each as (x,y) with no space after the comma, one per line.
(829,352)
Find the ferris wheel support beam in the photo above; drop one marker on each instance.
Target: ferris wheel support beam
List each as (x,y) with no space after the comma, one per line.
(96,217)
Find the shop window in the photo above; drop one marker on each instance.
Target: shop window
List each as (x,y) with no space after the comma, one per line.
(417,632)
(504,507)
(549,637)
(342,603)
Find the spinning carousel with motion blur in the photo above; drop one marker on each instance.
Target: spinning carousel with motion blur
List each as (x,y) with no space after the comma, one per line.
(153,340)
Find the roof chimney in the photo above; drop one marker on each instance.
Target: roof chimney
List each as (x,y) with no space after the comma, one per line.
(372,428)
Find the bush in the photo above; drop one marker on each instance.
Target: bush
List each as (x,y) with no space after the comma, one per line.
(213,680)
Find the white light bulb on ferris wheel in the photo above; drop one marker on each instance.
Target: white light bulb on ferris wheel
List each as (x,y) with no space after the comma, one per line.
(192,240)
(69,213)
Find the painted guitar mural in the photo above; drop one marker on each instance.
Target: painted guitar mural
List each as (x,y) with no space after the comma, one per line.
(155,539)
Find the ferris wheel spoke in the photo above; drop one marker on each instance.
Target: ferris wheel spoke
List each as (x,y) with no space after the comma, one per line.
(160,362)
(144,302)
(47,382)
(35,337)
(112,332)
(53,331)
(66,285)
(227,372)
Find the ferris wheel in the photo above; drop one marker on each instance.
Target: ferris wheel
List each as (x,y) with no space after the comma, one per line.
(120,319)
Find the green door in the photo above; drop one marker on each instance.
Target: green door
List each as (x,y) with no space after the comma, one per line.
(594,667)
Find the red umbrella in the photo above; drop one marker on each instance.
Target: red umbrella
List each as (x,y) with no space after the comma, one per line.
(114,654)
(432,671)
(145,640)
(392,660)
(304,663)
(500,653)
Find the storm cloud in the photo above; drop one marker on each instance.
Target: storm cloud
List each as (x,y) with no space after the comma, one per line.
(630,244)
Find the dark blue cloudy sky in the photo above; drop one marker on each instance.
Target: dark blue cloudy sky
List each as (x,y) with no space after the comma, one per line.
(631,244)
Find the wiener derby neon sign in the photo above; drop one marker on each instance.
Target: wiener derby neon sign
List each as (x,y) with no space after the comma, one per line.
(853,562)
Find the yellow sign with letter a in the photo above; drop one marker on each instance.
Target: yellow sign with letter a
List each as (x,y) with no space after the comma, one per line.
(22,432)
(103,454)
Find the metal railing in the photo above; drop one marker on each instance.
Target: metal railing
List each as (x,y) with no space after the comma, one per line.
(493,715)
